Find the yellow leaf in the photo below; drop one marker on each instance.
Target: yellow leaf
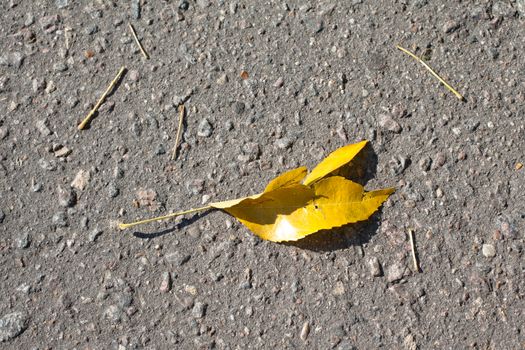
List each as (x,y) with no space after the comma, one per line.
(288,210)
(334,161)
(289,178)
(291,213)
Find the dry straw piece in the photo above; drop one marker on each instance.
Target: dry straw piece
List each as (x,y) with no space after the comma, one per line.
(144,53)
(413,247)
(454,91)
(179,129)
(114,82)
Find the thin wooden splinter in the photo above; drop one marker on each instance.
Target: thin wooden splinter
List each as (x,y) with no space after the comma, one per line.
(454,91)
(114,82)
(144,53)
(179,129)
(413,247)
(163,217)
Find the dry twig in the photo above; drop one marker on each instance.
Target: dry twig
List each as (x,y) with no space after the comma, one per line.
(146,56)
(179,129)
(86,120)
(413,247)
(454,91)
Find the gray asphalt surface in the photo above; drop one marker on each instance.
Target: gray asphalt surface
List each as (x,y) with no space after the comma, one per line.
(317,76)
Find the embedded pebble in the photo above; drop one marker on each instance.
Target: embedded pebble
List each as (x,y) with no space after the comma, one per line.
(204,129)
(424,163)
(199,310)
(3,133)
(60,219)
(239,107)
(387,123)
(2,216)
(42,127)
(438,161)
(113,190)
(61,3)
(165,284)
(95,233)
(23,241)
(66,197)
(81,180)
(284,143)
(113,314)
(395,272)
(488,250)
(12,325)
(374,267)
(305,331)
(135,9)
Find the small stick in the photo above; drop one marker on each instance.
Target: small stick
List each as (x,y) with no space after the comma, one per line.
(138,41)
(86,120)
(454,91)
(164,217)
(177,138)
(413,246)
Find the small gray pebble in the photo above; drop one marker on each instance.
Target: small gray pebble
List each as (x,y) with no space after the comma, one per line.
(113,190)
(95,234)
(135,9)
(203,3)
(3,133)
(284,143)
(113,314)
(16,59)
(450,27)
(438,161)
(12,325)
(520,6)
(184,5)
(123,299)
(23,241)
(134,75)
(199,310)
(47,165)
(60,219)
(66,197)
(61,3)
(59,67)
(2,216)
(374,267)
(395,272)
(488,250)
(165,284)
(424,163)
(91,29)
(41,126)
(204,129)
(239,107)
(387,123)
(160,150)
(177,258)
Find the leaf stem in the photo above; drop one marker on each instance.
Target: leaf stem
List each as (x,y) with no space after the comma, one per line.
(454,91)
(163,217)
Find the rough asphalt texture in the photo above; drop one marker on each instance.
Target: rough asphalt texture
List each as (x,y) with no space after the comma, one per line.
(318,75)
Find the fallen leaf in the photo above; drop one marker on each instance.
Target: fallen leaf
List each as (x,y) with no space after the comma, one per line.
(294,212)
(295,205)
